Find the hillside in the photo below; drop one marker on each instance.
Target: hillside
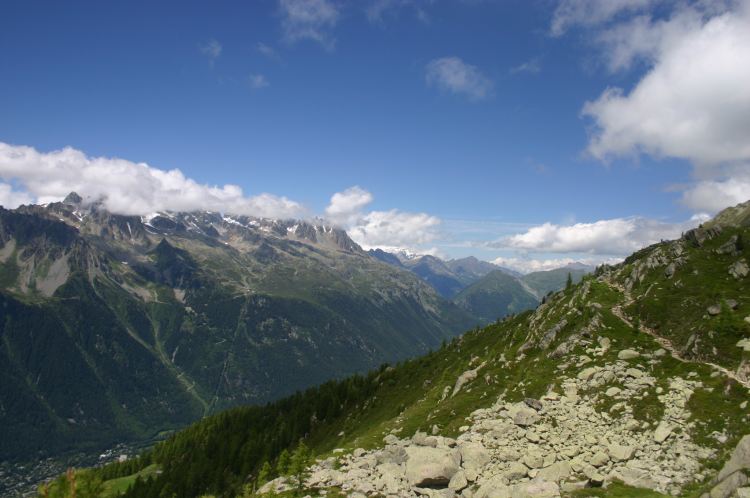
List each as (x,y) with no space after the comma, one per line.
(633,382)
(116,328)
(494,296)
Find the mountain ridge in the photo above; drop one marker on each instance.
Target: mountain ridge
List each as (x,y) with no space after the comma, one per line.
(173,316)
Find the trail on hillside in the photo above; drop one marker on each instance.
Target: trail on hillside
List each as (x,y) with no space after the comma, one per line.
(663,341)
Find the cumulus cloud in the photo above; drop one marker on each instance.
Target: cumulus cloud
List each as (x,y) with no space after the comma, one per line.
(394,228)
(712,195)
(346,207)
(456,76)
(126,187)
(382,229)
(571,13)
(693,104)
(617,236)
(10,198)
(309,20)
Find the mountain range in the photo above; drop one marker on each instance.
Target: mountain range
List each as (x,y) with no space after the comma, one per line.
(484,290)
(116,328)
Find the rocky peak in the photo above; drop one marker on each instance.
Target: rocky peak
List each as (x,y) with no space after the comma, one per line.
(72,199)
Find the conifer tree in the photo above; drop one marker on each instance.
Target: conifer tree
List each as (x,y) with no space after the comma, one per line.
(282,465)
(569,282)
(300,462)
(264,475)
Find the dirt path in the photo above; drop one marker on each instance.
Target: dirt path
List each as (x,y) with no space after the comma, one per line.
(662,341)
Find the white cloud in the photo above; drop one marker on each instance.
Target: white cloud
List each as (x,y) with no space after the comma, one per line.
(309,20)
(693,104)
(346,207)
(713,195)
(11,199)
(394,228)
(257,81)
(528,265)
(570,13)
(211,49)
(613,237)
(126,187)
(532,66)
(454,75)
(382,229)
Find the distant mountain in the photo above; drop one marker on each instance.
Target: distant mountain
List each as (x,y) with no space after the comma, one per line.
(494,296)
(543,282)
(114,328)
(436,272)
(385,257)
(448,278)
(471,269)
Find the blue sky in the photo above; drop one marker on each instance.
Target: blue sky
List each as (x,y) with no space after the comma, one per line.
(467,121)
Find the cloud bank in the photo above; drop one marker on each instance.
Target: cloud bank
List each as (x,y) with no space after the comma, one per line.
(123,186)
(613,237)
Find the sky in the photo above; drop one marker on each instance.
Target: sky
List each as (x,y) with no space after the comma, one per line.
(527,132)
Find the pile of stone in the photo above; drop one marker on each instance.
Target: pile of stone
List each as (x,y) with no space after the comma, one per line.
(540,448)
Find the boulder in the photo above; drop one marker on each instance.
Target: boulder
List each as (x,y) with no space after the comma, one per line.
(533,403)
(630,476)
(516,471)
(535,489)
(431,467)
(740,459)
(662,432)
(613,391)
(670,270)
(713,310)
(739,269)
(458,481)
(555,472)
(525,417)
(422,439)
(634,372)
(533,460)
(729,247)
(587,373)
(474,456)
(598,459)
(620,453)
(628,354)
(727,487)
(493,487)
